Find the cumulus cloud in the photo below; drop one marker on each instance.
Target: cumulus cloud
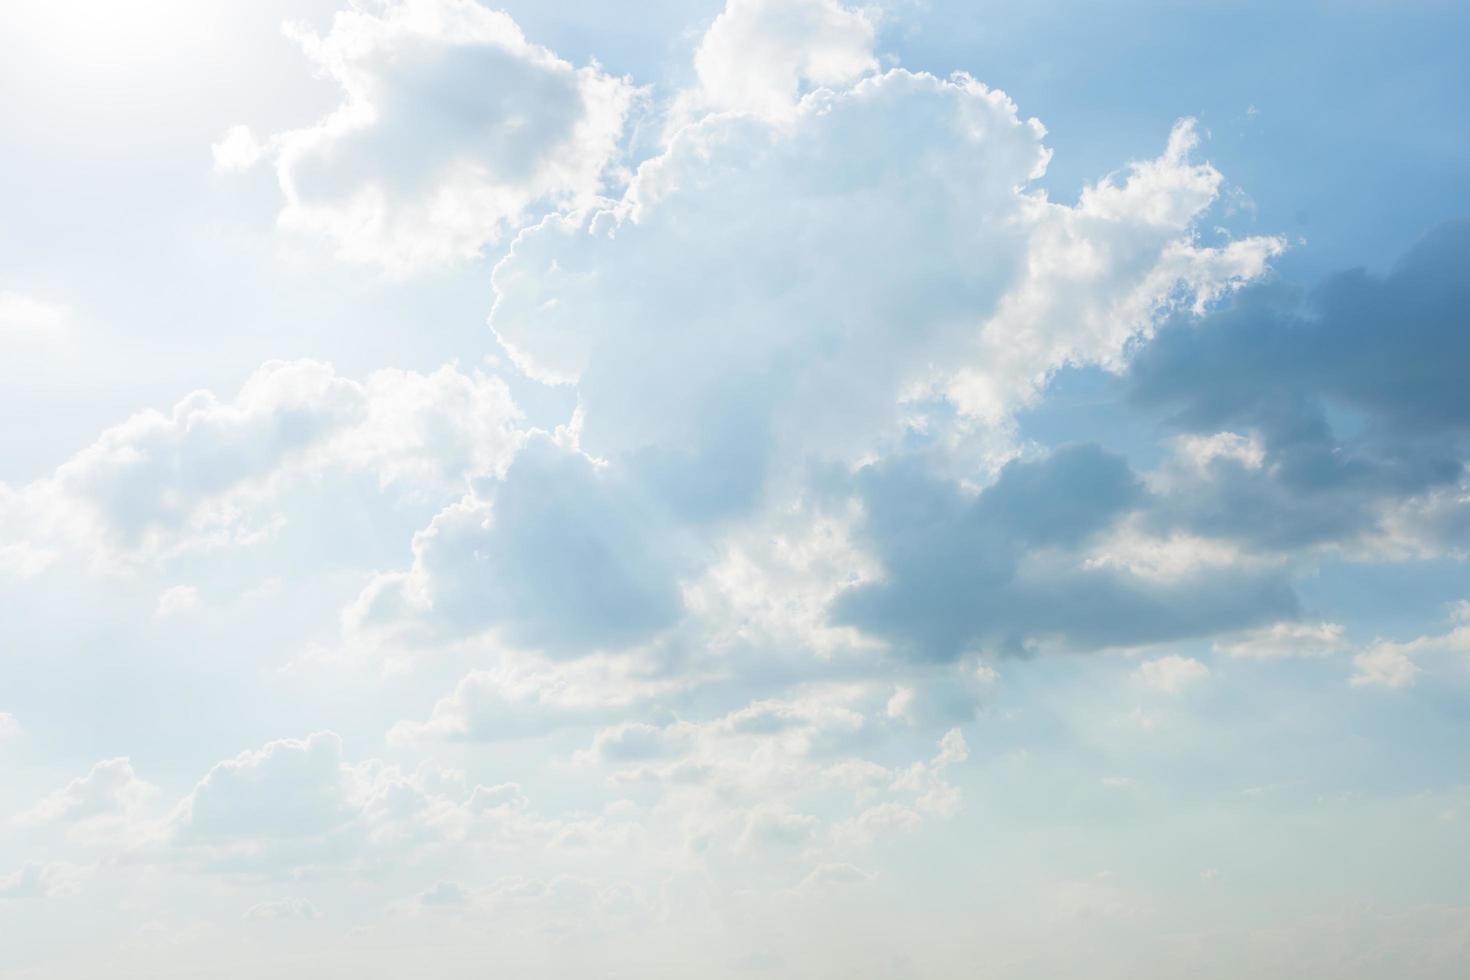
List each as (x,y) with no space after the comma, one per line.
(109,803)
(759,56)
(1386,663)
(300,803)
(564,557)
(810,288)
(770,300)
(288,788)
(452,129)
(164,481)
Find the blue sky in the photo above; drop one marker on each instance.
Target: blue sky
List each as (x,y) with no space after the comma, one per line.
(772,488)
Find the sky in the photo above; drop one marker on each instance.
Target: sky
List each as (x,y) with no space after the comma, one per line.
(769,488)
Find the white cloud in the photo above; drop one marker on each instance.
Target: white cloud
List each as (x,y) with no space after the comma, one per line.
(208,471)
(1200,451)
(564,557)
(453,129)
(520,699)
(37,880)
(636,741)
(289,788)
(284,909)
(810,287)
(237,151)
(1285,640)
(832,875)
(781,777)
(108,804)
(298,804)
(26,318)
(9,726)
(1172,674)
(1384,665)
(1163,558)
(766,299)
(759,56)
(175,600)
(1390,664)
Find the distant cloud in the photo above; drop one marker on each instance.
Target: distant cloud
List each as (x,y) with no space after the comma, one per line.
(212,470)
(1284,640)
(26,318)
(284,909)
(176,599)
(1384,665)
(37,880)
(1173,674)
(109,804)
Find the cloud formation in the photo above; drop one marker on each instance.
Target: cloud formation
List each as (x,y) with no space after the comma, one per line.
(1003,571)
(163,481)
(1353,394)
(453,127)
(765,589)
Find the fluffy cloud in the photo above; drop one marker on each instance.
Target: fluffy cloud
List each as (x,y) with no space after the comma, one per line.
(564,557)
(299,803)
(810,288)
(161,481)
(520,699)
(780,779)
(1386,663)
(760,55)
(769,300)
(453,127)
(288,788)
(109,803)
